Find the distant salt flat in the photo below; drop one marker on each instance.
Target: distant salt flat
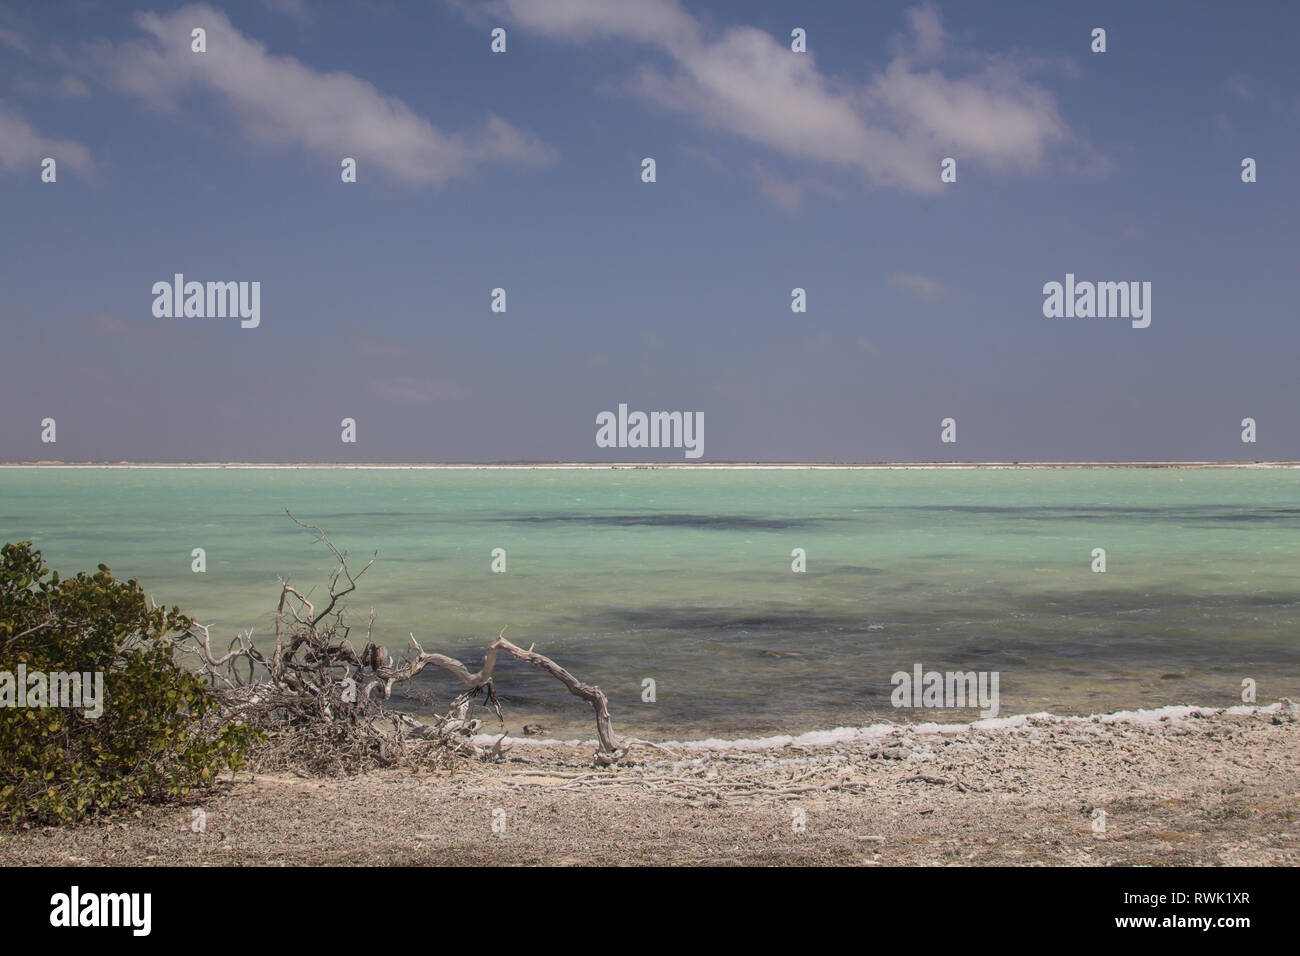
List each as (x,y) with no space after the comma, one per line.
(664,466)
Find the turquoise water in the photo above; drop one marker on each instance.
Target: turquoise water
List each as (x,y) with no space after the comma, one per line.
(685,577)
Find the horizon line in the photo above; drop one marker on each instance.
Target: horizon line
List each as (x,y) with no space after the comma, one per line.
(653,465)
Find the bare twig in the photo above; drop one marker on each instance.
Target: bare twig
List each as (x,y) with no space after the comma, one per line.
(304,692)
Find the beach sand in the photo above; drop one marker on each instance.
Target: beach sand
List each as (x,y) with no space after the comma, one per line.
(1177,785)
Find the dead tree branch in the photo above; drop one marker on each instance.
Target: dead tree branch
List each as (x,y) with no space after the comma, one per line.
(612,748)
(306,692)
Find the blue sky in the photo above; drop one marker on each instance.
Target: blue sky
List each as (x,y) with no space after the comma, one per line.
(775,170)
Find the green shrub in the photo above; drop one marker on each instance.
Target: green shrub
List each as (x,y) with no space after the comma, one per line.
(58,765)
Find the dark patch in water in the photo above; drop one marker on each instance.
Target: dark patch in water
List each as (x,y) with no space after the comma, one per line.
(1192,513)
(676,619)
(1057,604)
(330,516)
(707,522)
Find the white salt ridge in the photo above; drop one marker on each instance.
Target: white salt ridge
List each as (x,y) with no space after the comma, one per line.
(874,732)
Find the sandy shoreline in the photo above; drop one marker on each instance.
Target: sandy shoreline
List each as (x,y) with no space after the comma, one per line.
(1182,785)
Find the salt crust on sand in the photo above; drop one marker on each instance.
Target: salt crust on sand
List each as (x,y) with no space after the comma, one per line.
(873,732)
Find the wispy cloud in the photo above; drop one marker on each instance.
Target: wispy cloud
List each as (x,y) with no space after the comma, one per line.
(14,40)
(277,100)
(149,334)
(1239,83)
(292,8)
(923,287)
(790,193)
(705,157)
(927,32)
(419,391)
(785,193)
(894,128)
(66,86)
(22,145)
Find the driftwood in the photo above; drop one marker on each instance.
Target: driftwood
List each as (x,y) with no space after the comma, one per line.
(315,696)
(612,748)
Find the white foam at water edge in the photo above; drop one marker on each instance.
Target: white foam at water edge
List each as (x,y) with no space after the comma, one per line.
(991,725)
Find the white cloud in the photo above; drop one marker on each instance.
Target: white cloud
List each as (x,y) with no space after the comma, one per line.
(279,101)
(22,145)
(663,22)
(994,117)
(894,128)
